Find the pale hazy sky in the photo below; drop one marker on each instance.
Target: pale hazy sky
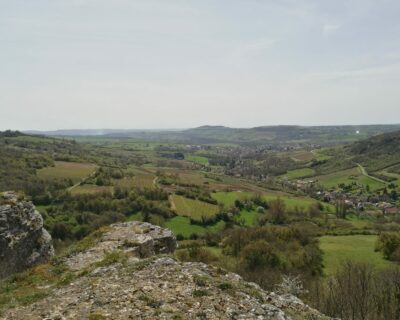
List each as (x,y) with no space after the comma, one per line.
(178,64)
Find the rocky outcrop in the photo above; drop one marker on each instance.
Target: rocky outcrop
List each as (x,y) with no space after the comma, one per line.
(23,240)
(139,239)
(128,274)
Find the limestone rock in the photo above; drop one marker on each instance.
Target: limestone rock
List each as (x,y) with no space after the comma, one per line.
(163,288)
(140,239)
(23,240)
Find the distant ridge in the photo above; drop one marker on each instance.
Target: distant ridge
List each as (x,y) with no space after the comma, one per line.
(90,132)
(267,135)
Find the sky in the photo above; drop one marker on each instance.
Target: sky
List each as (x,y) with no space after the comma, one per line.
(80,64)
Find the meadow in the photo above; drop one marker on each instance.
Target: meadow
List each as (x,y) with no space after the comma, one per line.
(359,248)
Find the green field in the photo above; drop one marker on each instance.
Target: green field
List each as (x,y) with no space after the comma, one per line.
(358,248)
(75,171)
(347,177)
(229,198)
(198,159)
(182,225)
(194,209)
(299,173)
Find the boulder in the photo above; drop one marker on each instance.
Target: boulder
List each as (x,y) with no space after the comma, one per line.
(23,240)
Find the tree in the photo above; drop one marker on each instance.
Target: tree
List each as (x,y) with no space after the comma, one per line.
(350,291)
(341,209)
(278,211)
(258,255)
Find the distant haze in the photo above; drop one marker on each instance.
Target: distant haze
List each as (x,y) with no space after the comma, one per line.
(178,64)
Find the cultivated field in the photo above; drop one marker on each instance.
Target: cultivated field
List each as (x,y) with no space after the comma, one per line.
(192,177)
(196,210)
(228,199)
(75,171)
(144,180)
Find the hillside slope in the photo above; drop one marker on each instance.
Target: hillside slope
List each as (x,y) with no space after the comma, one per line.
(377,152)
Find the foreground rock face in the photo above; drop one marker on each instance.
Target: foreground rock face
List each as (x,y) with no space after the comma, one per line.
(141,285)
(23,240)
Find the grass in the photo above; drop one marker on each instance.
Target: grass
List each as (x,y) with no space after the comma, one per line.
(198,159)
(299,173)
(195,209)
(348,176)
(75,171)
(359,248)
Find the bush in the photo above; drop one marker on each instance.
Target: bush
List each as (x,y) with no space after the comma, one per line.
(389,244)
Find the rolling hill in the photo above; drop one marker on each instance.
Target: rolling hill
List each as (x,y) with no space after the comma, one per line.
(271,135)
